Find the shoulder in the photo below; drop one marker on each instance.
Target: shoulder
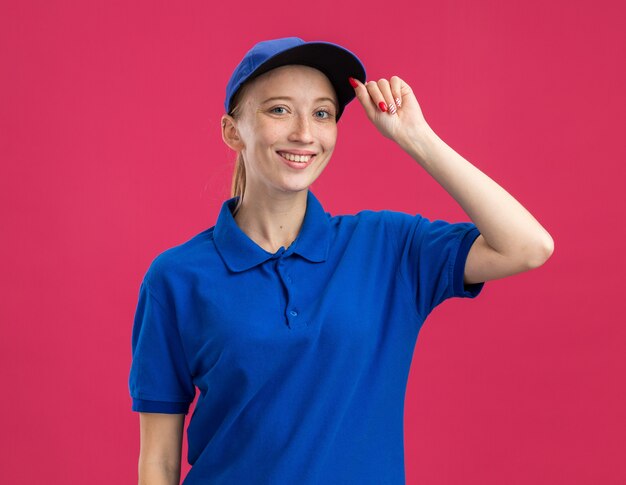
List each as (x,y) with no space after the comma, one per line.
(375,218)
(376,228)
(412,230)
(175,260)
(384,222)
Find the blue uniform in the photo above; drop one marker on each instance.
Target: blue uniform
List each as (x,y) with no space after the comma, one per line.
(302,356)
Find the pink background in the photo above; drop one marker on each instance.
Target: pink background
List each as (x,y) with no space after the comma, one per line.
(111,152)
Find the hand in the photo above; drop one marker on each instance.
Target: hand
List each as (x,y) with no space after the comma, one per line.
(403,119)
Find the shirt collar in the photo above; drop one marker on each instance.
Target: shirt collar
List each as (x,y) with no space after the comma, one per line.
(240,253)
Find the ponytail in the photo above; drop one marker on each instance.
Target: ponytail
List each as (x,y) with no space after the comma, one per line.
(239,181)
(238,186)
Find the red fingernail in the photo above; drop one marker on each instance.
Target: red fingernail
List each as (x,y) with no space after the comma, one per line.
(383,106)
(353,82)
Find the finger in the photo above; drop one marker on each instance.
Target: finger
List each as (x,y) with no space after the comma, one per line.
(405,89)
(364,98)
(385,90)
(376,95)
(380,93)
(396,90)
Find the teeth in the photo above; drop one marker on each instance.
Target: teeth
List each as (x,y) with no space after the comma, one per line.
(295,158)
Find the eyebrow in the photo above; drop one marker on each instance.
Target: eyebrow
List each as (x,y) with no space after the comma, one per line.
(273,98)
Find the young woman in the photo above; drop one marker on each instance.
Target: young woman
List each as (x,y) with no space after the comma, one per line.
(298,327)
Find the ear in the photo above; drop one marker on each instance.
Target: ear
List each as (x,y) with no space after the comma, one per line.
(230,135)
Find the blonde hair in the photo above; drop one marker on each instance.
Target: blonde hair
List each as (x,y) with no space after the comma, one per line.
(239,181)
(238,186)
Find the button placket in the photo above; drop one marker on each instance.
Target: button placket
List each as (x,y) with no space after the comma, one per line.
(292,312)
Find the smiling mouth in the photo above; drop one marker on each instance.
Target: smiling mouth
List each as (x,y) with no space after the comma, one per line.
(296,158)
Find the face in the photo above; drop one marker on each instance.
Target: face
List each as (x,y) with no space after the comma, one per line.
(287,129)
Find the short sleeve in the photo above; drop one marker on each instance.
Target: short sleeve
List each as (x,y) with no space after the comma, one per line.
(432,256)
(159,380)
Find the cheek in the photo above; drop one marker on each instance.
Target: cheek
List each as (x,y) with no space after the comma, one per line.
(271,137)
(330,139)
(262,136)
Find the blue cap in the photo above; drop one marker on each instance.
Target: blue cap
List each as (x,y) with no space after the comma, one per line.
(336,62)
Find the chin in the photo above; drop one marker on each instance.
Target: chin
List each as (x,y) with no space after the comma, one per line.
(299,188)
(295,187)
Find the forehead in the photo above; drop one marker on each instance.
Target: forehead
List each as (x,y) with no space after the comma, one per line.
(292,81)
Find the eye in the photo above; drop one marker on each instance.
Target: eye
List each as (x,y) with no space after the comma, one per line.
(275,108)
(328,114)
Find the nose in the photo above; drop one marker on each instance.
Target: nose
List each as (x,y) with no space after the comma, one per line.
(301,129)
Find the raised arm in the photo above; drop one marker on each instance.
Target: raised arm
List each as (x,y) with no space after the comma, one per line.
(161,446)
(511,240)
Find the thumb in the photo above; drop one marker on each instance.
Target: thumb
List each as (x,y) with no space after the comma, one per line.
(363,95)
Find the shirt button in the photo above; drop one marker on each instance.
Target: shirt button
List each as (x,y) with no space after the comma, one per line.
(293,313)
(288,279)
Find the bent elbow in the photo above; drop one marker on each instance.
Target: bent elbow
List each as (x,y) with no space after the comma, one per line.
(541,253)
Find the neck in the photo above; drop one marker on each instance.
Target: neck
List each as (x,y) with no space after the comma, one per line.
(272,221)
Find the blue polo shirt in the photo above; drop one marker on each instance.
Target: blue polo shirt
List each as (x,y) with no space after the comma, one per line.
(301,356)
